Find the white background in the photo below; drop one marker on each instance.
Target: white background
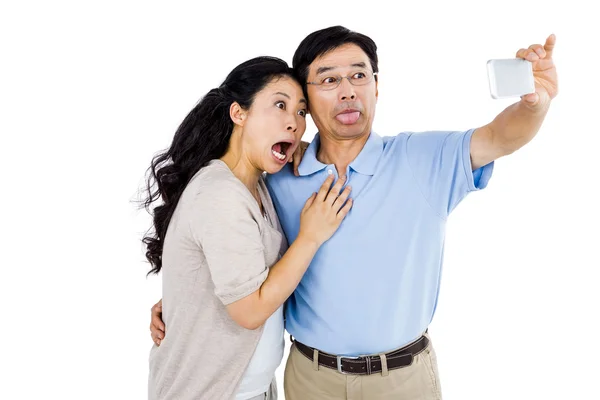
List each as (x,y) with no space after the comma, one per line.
(91,90)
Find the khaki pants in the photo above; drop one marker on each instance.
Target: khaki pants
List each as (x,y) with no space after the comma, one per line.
(306,380)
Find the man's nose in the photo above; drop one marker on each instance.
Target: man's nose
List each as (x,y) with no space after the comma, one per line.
(346,90)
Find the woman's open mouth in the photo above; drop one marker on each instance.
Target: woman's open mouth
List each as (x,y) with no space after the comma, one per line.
(279,151)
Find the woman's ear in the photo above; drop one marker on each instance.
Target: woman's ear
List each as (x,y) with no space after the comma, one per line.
(237,114)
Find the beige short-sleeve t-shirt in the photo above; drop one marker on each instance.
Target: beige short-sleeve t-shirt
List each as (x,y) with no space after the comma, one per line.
(217,250)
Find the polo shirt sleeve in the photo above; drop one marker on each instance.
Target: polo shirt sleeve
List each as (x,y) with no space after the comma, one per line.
(441,165)
(224,227)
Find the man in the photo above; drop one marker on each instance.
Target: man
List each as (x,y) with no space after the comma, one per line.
(359,317)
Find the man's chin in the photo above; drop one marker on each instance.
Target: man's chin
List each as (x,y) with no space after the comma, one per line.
(354,130)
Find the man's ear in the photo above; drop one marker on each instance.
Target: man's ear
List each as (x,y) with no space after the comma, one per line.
(237,114)
(376,88)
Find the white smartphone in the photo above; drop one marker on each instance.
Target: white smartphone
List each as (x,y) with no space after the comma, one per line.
(512,77)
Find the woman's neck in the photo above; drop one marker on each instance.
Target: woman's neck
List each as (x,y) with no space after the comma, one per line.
(243,170)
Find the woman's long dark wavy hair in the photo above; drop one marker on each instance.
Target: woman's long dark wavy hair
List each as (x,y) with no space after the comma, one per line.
(202,136)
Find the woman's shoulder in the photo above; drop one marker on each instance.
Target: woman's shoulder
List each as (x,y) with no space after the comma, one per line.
(216,185)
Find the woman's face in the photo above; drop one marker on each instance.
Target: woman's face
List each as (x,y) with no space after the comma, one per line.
(275,124)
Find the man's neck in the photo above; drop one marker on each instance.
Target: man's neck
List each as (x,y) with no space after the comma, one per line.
(340,152)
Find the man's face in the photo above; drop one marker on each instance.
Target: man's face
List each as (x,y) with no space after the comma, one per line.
(347,111)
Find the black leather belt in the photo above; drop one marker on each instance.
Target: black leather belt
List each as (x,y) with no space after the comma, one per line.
(367,365)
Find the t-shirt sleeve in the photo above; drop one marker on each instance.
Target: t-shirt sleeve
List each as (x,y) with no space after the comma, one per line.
(441,164)
(224,227)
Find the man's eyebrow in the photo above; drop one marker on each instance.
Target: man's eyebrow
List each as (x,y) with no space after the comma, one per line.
(359,65)
(321,70)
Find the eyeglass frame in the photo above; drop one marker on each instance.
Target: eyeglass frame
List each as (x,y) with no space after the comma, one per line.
(340,78)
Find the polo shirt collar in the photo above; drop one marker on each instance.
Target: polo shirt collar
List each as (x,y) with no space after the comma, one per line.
(364,163)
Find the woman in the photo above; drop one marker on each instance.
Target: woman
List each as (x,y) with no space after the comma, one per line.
(226,266)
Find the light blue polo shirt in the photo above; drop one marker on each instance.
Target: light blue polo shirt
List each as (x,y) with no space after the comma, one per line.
(374,285)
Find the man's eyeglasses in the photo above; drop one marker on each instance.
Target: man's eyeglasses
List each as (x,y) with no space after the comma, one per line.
(333,81)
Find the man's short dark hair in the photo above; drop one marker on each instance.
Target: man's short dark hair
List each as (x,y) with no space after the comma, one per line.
(325,40)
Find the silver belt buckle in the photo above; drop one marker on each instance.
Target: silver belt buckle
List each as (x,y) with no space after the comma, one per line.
(339,364)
